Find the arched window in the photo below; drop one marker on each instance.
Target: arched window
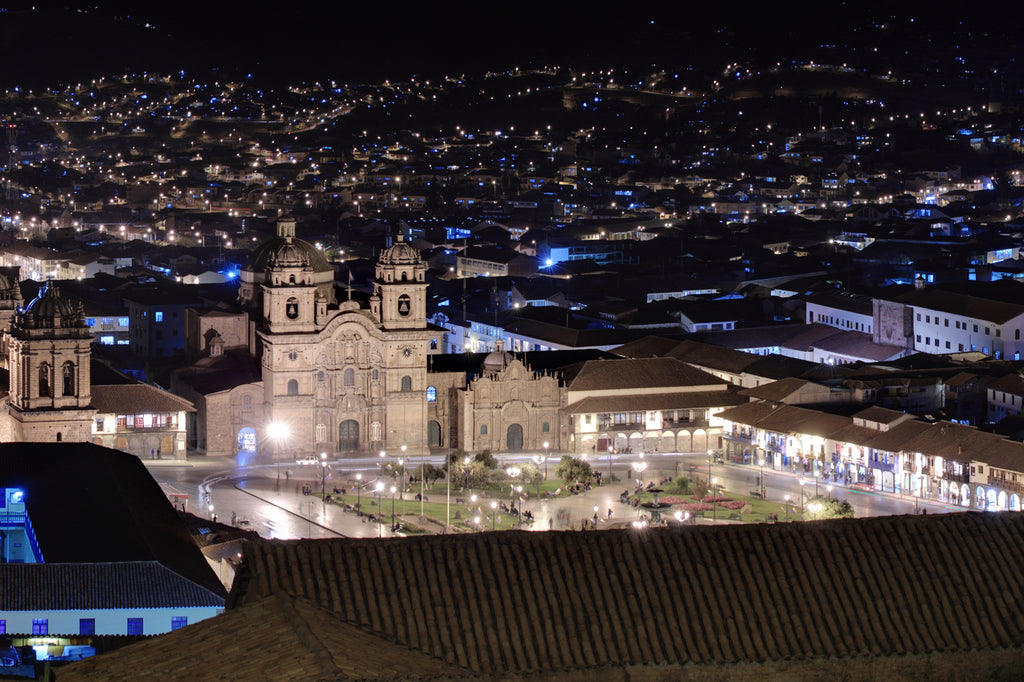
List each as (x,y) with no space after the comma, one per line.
(293,387)
(483,429)
(407,383)
(433,344)
(44,380)
(246,402)
(431,394)
(320,376)
(350,377)
(376,375)
(545,427)
(68,372)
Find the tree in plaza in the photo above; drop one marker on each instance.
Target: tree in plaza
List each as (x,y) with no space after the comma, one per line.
(487,459)
(820,507)
(572,469)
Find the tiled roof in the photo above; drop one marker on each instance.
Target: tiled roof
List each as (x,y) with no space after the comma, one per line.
(277,638)
(122,585)
(781,389)
(522,602)
(656,401)
(138,397)
(90,504)
(626,374)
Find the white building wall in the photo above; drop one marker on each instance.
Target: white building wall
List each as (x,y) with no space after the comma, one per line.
(838,318)
(108,621)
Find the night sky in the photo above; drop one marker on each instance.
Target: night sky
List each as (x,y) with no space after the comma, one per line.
(371,40)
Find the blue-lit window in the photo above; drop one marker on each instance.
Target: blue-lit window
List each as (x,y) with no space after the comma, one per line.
(40,626)
(107,340)
(135,626)
(3,626)
(90,322)
(178,622)
(122,321)
(87,626)
(431,394)
(158,316)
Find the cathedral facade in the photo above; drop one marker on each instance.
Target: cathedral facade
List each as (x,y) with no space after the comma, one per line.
(327,377)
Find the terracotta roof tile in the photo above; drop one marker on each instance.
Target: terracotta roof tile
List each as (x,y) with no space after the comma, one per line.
(525,603)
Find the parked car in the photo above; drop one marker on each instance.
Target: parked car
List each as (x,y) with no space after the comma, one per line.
(8,653)
(311,459)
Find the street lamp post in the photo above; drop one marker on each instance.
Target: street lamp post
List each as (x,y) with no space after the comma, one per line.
(538,460)
(422,462)
(359,486)
(714,499)
(323,483)
(513,473)
(762,478)
(545,460)
(380,500)
(639,467)
(610,451)
(393,509)
(494,513)
(710,455)
(277,432)
(401,466)
(802,484)
(786,518)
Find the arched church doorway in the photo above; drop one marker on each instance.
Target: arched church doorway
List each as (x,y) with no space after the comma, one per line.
(348,435)
(433,434)
(514,437)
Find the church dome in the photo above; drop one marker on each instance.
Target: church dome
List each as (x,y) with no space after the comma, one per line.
(50,309)
(400,253)
(287,252)
(497,360)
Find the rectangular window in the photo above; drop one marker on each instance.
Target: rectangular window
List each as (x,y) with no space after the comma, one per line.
(919,317)
(90,322)
(122,321)
(99,423)
(919,338)
(3,626)
(928,319)
(135,626)
(40,626)
(107,340)
(975,329)
(927,340)
(87,626)
(947,344)
(178,622)
(986,331)
(946,321)
(158,316)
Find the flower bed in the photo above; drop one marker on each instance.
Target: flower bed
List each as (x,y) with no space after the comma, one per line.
(694,506)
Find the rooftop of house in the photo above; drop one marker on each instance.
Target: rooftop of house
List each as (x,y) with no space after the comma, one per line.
(716,596)
(89,504)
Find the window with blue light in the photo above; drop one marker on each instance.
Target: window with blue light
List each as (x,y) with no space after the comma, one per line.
(90,322)
(178,622)
(87,626)
(107,340)
(431,394)
(122,321)
(40,626)
(134,626)
(158,316)
(3,626)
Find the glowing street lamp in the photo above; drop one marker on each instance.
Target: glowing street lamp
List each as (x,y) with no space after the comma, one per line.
(359,486)
(277,431)
(380,497)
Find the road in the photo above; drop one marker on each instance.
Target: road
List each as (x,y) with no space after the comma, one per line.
(270,498)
